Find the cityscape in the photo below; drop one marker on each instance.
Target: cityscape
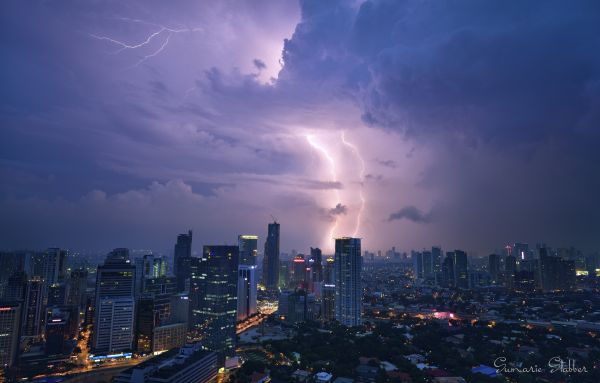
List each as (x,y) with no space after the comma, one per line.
(300,191)
(234,315)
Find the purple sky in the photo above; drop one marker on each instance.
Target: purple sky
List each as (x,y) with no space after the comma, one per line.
(466,124)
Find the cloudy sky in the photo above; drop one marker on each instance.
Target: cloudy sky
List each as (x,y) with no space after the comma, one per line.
(468,124)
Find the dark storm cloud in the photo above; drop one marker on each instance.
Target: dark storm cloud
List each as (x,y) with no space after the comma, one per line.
(338,209)
(410,213)
(506,94)
(259,64)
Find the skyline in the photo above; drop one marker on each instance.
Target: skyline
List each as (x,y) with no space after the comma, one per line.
(407,124)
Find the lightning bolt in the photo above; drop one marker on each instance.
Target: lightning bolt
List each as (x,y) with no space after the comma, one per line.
(333,171)
(162,30)
(361,175)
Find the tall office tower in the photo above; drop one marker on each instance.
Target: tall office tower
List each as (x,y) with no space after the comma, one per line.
(218,298)
(494,268)
(182,259)
(427,265)
(161,289)
(114,304)
(154,266)
(246,291)
(271,260)
(15,287)
(296,306)
(10,319)
(461,277)
(298,272)
(196,294)
(316,256)
(77,288)
(328,294)
(248,247)
(521,252)
(59,329)
(417,259)
(284,274)
(448,270)
(114,324)
(348,290)
(510,271)
(33,308)
(436,255)
(56,294)
(55,266)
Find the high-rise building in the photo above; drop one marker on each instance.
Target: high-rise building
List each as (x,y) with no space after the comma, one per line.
(298,272)
(246,291)
(248,247)
(218,298)
(33,308)
(114,304)
(114,325)
(328,293)
(348,289)
(510,272)
(521,252)
(296,306)
(427,265)
(461,278)
(417,259)
(182,259)
(271,257)
(55,265)
(77,288)
(154,266)
(436,255)
(448,270)
(494,268)
(10,319)
(316,264)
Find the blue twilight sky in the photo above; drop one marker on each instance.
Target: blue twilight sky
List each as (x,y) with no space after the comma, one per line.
(467,124)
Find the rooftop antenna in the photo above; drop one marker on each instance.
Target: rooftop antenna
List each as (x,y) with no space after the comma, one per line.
(274,219)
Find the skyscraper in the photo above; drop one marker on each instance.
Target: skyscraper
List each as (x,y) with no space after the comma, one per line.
(510,272)
(246,291)
(461,278)
(182,259)
(54,265)
(417,259)
(348,290)
(115,304)
(271,260)
(218,298)
(33,308)
(494,268)
(10,318)
(328,294)
(248,245)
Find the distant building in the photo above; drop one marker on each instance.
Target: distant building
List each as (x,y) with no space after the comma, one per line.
(10,319)
(271,257)
(448,270)
(296,306)
(461,278)
(182,259)
(494,268)
(417,259)
(246,291)
(33,309)
(510,272)
(328,293)
(348,288)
